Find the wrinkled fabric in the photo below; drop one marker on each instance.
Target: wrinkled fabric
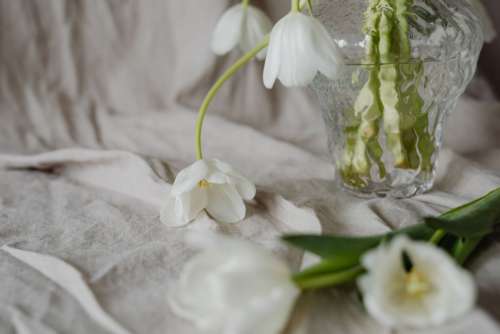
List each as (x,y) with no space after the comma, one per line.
(123,80)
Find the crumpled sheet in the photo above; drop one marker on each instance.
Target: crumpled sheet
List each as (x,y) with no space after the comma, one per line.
(123,79)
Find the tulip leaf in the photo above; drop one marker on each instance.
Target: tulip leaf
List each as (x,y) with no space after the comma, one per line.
(343,252)
(472,220)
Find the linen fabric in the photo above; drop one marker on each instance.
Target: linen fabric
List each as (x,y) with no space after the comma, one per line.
(98,103)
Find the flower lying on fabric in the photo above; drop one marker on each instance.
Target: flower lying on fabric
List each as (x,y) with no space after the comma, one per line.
(299,47)
(427,291)
(210,185)
(234,286)
(242,25)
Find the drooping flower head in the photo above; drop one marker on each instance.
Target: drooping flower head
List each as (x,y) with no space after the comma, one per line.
(210,185)
(241,25)
(234,286)
(415,284)
(299,48)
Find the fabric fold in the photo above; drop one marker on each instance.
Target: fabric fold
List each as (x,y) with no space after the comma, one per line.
(72,281)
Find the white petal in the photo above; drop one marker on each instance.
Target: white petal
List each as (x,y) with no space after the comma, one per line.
(274,53)
(188,178)
(189,205)
(228,30)
(225,204)
(234,286)
(298,67)
(168,215)
(451,294)
(218,171)
(221,172)
(256,25)
(269,310)
(194,297)
(328,54)
(245,188)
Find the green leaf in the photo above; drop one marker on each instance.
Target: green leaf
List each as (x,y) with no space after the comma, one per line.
(343,252)
(472,220)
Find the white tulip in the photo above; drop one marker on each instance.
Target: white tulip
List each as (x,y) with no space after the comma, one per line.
(210,185)
(432,292)
(234,287)
(299,47)
(243,25)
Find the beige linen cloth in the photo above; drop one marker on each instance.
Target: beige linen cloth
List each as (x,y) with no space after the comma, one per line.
(83,248)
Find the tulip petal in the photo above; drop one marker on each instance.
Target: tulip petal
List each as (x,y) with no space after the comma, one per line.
(225,204)
(245,188)
(228,30)
(209,291)
(272,311)
(188,178)
(168,215)
(328,54)
(189,205)
(299,66)
(256,24)
(217,171)
(449,290)
(273,59)
(191,299)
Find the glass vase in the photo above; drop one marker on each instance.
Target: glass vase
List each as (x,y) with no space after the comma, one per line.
(406,64)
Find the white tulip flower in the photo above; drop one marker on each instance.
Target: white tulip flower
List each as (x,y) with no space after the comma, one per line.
(299,47)
(234,287)
(434,290)
(210,185)
(243,25)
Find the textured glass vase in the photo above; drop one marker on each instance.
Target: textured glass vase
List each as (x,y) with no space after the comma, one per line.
(406,64)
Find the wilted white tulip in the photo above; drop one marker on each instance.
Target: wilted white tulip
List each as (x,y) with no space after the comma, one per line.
(234,286)
(433,290)
(210,185)
(299,47)
(243,25)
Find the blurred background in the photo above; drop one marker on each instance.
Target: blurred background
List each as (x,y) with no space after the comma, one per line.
(491,51)
(128,74)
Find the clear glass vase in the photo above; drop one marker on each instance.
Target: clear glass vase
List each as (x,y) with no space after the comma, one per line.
(406,64)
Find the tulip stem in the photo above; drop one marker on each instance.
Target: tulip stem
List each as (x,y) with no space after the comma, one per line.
(463,249)
(437,237)
(295,5)
(216,87)
(328,280)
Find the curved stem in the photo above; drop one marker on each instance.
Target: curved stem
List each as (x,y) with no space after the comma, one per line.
(215,88)
(328,280)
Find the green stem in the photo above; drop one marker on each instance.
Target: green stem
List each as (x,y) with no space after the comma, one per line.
(295,5)
(464,248)
(245,3)
(437,237)
(216,87)
(328,280)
